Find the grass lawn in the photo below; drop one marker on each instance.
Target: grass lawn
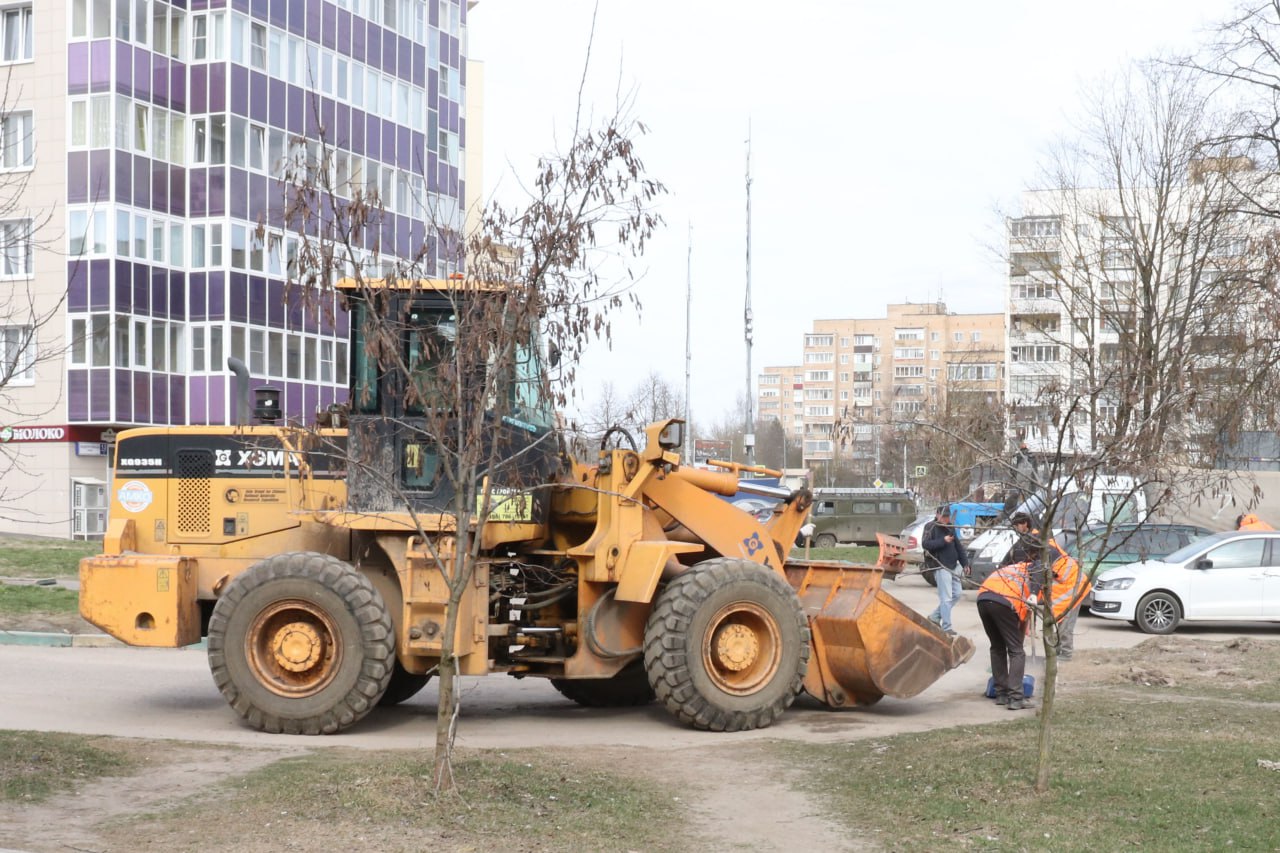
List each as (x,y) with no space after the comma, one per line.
(36,765)
(1133,769)
(528,800)
(25,600)
(43,558)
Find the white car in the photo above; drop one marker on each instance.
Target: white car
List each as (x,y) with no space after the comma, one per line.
(1223,577)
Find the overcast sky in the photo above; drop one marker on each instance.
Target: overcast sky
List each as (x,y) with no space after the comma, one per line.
(887,138)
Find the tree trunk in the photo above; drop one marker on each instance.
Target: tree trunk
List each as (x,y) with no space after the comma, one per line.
(1048,693)
(446,705)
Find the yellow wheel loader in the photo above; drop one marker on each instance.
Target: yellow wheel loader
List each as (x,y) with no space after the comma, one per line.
(316,580)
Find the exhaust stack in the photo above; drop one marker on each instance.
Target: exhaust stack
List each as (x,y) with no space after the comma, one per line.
(241,372)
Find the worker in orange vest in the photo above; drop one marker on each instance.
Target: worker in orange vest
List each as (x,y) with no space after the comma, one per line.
(1004,605)
(1068,587)
(1249,521)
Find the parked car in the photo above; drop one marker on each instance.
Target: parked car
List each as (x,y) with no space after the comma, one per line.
(1225,576)
(1098,548)
(912,535)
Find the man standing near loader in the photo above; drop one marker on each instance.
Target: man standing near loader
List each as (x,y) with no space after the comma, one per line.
(946,554)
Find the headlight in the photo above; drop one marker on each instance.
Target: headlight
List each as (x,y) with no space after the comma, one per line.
(1114,583)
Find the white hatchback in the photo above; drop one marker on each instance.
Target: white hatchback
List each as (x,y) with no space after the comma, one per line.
(1223,577)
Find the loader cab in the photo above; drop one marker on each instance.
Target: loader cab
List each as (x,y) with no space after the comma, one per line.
(418,382)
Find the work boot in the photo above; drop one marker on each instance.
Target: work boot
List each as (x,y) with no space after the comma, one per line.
(1017,703)
(1002,698)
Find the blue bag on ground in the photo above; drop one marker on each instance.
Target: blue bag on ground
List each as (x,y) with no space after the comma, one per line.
(1028,687)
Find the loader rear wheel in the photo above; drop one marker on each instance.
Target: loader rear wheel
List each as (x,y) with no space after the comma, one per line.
(726,646)
(404,685)
(301,643)
(627,689)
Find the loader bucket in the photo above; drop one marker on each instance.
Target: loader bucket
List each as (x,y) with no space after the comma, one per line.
(865,643)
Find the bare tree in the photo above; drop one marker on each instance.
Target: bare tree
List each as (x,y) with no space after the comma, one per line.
(1143,321)
(451,424)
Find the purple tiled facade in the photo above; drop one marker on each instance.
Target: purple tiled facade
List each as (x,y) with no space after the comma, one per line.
(162,295)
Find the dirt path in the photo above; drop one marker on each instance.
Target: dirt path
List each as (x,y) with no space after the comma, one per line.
(746,802)
(169,773)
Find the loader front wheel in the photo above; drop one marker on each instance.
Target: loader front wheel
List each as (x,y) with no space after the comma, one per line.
(726,646)
(301,643)
(627,689)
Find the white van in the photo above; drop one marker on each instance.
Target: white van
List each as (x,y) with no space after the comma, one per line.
(1111,500)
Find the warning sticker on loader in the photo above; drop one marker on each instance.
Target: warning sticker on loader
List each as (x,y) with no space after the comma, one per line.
(507,505)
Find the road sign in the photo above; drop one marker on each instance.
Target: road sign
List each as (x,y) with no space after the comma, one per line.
(921,470)
(878,483)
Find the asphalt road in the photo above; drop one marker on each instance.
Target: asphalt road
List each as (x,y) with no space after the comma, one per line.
(169,694)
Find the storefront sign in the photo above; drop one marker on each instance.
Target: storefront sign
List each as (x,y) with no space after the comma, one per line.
(60,432)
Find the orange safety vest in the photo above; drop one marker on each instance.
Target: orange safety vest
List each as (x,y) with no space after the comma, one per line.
(1010,582)
(1252,522)
(1068,586)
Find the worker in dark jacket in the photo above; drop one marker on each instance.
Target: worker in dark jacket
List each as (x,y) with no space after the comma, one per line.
(1027,546)
(946,554)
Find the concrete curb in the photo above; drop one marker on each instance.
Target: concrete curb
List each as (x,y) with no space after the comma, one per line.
(77,641)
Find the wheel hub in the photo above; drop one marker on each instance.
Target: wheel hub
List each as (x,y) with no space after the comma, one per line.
(742,648)
(737,647)
(292,648)
(297,646)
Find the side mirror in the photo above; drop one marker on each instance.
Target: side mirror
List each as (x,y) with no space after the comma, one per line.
(553,355)
(1204,563)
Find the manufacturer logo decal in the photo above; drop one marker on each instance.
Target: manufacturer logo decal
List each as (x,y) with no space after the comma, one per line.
(134,496)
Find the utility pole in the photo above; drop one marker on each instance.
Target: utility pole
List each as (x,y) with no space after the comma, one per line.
(748,437)
(688,353)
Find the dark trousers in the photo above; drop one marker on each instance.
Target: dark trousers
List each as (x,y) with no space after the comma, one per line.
(1008,659)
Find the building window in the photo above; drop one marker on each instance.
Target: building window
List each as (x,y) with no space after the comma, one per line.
(1036,226)
(17,355)
(971,372)
(908,352)
(819,340)
(977,336)
(1034,354)
(15,248)
(17,144)
(15,33)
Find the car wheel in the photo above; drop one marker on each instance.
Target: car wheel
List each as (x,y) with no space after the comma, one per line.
(1158,613)
(826,540)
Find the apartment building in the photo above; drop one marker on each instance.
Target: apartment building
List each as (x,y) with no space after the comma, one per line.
(145,236)
(860,377)
(1102,277)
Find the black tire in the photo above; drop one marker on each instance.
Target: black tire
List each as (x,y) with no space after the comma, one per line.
(726,646)
(301,643)
(825,540)
(404,685)
(628,689)
(1158,613)
(931,577)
